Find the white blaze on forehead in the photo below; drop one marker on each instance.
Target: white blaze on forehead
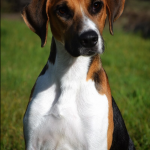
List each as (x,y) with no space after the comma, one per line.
(88,24)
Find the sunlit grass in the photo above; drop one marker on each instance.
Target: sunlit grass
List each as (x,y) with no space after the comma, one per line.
(126,60)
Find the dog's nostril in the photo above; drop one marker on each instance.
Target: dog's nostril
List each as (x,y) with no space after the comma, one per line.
(95,39)
(84,42)
(88,39)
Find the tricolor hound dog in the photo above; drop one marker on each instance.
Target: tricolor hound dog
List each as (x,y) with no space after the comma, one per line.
(71,107)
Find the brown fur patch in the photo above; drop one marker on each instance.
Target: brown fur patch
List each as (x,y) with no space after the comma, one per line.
(110,117)
(115,9)
(94,66)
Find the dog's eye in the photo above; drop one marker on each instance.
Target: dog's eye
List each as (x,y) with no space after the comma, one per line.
(62,11)
(96,6)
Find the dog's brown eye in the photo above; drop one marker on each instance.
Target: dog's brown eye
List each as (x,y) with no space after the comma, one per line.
(62,11)
(96,7)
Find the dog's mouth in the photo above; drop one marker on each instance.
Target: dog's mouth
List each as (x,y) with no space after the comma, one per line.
(89,51)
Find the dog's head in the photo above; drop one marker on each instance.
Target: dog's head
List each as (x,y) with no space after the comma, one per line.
(77,24)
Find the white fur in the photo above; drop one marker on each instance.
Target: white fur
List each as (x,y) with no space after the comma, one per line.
(66,111)
(87,25)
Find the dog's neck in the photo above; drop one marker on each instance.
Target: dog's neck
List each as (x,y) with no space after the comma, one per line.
(71,72)
(68,67)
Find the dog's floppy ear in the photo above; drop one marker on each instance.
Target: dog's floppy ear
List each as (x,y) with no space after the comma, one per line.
(114,9)
(36,18)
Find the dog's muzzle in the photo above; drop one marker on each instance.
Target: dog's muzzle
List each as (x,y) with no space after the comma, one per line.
(84,44)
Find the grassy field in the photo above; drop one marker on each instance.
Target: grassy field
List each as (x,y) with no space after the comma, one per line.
(126,60)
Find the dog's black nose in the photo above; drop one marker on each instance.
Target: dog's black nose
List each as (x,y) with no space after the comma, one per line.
(88,39)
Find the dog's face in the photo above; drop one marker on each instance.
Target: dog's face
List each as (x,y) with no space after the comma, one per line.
(77,24)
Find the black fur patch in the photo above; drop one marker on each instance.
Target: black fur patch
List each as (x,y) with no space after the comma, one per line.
(121,138)
(52,56)
(44,70)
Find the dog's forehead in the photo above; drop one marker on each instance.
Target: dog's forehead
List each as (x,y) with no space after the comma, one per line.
(79,2)
(80,8)
(75,4)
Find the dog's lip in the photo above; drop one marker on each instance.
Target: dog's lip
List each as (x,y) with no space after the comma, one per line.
(88,51)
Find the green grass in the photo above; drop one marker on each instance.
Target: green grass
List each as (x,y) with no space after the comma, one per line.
(126,60)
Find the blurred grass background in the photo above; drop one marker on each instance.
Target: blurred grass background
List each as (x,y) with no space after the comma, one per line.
(126,60)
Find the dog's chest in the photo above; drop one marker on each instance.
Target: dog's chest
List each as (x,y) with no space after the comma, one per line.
(66,119)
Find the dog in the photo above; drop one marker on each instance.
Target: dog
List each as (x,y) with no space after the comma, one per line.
(71,107)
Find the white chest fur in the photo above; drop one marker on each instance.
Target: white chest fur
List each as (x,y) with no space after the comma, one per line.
(66,111)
